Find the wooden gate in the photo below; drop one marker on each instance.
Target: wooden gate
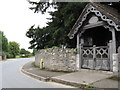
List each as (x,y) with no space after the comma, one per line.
(97,58)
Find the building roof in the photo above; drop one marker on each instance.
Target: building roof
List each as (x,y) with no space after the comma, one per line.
(106,13)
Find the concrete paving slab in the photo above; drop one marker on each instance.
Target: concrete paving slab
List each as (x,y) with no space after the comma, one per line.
(107,83)
(83,77)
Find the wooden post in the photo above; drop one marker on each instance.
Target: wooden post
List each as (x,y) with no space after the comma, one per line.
(94,56)
(119,65)
(78,54)
(78,41)
(112,47)
(113,39)
(111,53)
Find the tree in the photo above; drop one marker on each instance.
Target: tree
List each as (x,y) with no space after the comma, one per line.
(3,42)
(24,52)
(40,37)
(3,45)
(34,51)
(14,49)
(55,34)
(63,18)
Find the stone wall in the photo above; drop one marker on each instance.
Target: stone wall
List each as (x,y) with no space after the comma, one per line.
(116,60)
(57,59)
(119,61)
(119,49)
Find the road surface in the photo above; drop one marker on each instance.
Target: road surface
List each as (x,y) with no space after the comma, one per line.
(12,77)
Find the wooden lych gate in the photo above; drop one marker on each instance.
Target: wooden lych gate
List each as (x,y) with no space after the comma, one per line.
(96,58)
(97,37)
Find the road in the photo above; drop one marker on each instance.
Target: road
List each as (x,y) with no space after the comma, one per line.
(12,77)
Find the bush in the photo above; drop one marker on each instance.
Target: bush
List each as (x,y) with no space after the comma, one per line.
(54,47)
(9,55)
(75,51)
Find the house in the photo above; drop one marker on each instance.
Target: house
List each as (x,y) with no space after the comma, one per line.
(0,58)
(98,37)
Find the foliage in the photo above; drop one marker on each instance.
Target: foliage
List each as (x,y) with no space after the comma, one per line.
(63,18)
(41,6)
(3,45)
(40,37)
(75,51)
(24,53)
(3,42)
(8,55)
(13,49)
(34,51)
(55,34)
(54,47)
(34,66)
(84,85)
(89,86)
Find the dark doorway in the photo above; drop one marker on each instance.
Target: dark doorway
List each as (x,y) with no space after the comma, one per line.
(98,36)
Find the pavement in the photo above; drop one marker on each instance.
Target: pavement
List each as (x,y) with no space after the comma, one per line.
(81,79)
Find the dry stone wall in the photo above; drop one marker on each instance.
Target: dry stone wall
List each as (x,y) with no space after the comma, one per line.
(57,59)
(116,61)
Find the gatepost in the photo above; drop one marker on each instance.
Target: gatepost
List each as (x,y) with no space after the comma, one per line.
(116,61)
(119,65)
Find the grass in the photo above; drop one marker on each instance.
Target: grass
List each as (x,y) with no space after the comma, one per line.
(34,66)
(85,86)
(25,57)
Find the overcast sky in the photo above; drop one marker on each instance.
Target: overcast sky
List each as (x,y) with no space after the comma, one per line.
(16,18)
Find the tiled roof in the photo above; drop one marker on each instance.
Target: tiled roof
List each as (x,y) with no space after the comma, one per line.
(108,11)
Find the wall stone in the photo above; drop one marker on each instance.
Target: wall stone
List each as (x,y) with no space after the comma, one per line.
(57,59)
(119,49)
(118,56)
(116,62)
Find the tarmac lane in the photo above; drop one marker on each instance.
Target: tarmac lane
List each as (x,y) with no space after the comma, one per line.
(12,77)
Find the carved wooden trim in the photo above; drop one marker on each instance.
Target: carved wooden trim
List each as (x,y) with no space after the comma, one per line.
(113,37)
(97,13)
(92,25)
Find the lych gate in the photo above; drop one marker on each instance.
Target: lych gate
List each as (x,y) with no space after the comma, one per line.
(95,49)
(95,57)
(97,37)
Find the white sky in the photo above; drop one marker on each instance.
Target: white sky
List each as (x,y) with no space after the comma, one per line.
(16,18)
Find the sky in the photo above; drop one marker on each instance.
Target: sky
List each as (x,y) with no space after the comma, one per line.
(16,18)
